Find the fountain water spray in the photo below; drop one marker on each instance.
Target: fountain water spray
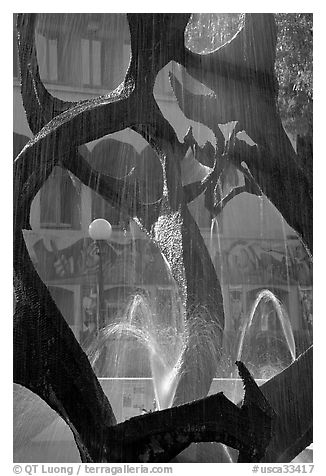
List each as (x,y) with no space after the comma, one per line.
(264,296)
(165,345)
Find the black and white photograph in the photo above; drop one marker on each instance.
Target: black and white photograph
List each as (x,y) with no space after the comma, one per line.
(162,241)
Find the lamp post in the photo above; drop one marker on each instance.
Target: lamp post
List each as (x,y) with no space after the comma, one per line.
(100,230)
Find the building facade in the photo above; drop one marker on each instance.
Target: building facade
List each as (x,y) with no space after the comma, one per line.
(253,249)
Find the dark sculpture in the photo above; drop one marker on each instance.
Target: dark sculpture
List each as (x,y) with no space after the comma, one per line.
(47,358)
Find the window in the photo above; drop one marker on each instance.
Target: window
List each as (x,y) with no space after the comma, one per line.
(59,202)
(102,209)
(126,402)
(140,390)
(15,55)
(47,57)
(91,62)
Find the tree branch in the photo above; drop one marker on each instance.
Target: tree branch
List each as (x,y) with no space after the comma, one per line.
(241,75)
(283,182)
(243,67)
(160,436)
(60,372)
(290,393)
(191,266)
(49,361)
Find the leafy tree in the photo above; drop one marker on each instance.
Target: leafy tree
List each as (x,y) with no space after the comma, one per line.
(294,71)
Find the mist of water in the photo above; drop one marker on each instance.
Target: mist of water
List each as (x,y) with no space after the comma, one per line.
(165,346)
(264,296)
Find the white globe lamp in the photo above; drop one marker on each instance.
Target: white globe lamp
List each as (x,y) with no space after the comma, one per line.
(100,229)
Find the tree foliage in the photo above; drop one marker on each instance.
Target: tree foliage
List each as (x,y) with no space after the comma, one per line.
(294,70)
